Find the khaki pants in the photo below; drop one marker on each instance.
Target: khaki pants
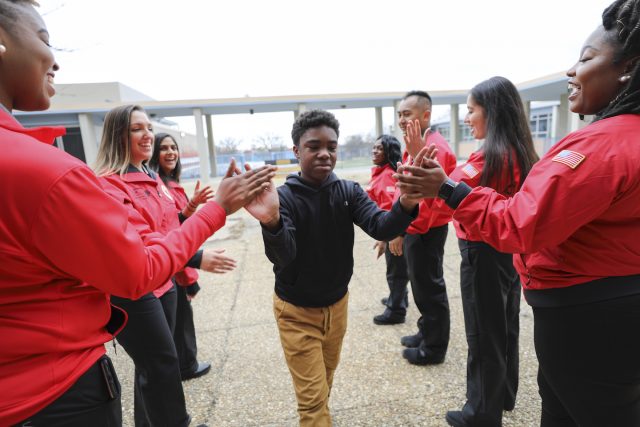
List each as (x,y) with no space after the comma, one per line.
(312,339)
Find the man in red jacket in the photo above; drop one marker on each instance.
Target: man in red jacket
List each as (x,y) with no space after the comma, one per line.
(423,248)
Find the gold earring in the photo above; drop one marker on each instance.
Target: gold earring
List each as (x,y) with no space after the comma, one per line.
(3,48)
(624,79)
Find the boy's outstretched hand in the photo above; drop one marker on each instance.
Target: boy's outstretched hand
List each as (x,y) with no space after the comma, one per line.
(265,207)
(237,189)
(424,179)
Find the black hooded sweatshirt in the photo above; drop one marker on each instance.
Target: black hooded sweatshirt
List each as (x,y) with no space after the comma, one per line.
(312,251)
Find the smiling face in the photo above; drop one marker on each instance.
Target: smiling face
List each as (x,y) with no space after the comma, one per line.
(378,156)
(412,108)
(476,119)
(317,154)
(168,155)
(140,138)
(27,67)
(594,79)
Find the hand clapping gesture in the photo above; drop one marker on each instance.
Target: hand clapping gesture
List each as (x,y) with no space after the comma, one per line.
(237,189)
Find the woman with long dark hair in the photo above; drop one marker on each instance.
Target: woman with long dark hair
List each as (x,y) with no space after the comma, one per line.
(385,155)
(574,227)
(489,284)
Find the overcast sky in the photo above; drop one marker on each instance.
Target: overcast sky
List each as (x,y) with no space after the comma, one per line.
(192,49)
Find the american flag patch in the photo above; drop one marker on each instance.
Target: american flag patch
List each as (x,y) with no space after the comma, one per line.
(569,158)
(470,171)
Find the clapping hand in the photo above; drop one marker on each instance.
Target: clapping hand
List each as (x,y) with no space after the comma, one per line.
(201,195)
(413,139)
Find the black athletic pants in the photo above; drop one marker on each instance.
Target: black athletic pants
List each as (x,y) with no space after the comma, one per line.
(184,335)
(589,363)
(490,291)
(397,280)
(90,401)
(148,339)
(424,254)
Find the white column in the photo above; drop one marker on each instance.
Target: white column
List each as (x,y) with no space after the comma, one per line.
(379,130)
(527,109)
(89,138)
(397,132)
(212,146)
(203,150)
(561,118)
(454,129)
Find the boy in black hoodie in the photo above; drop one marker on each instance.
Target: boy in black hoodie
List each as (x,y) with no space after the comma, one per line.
(307,227)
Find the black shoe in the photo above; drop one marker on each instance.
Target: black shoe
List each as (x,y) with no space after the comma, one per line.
(384,300)
(454,418)
(202,369)
(415,356)
(508,406)
(388,318)
(411,341)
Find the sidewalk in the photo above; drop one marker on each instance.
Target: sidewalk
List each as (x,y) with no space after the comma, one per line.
(249,384)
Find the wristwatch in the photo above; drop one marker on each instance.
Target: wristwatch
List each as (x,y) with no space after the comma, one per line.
(446,189)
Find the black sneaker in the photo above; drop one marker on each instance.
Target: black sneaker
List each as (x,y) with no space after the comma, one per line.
(415,356)
(388,318)
(411,341)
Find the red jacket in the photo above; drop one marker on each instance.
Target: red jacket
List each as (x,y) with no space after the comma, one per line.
(65,245)
(151,199)
(382,186)
(189,275)
(577,216)
(471,173)
(429,218)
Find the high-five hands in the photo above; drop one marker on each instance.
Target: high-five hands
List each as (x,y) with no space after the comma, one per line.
(237,189)
(423,178)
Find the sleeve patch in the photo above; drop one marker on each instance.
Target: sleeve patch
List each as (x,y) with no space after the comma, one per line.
(569,158)
(470,171)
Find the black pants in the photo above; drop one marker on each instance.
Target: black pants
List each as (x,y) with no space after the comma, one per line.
(148,339)
(86,403)
(589,363)
(424,254)
(184,335)
(397,279)
(490,291)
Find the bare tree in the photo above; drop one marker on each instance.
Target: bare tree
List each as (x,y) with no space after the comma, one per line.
(227,145)
(268,142)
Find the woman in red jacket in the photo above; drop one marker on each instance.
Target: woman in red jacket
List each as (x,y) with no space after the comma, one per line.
(65,245)
(489,284)
(166,162)
(574,227)
(386,154)
(126,147)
